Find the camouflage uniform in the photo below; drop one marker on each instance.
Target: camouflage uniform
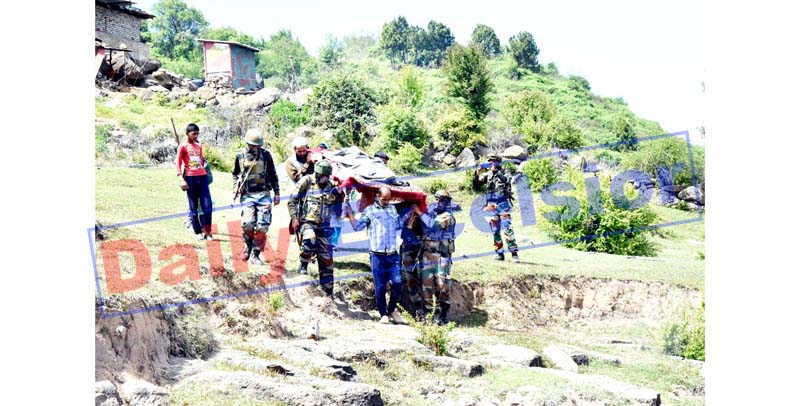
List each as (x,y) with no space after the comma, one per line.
(313,205)
(498,208)
(255,197)
(410,252)
(437,248)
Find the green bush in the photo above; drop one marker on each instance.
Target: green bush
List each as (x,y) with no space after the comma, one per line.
(540,172)
(578,83)
(216,160)
(407,160)
(528,113)
(102,133)
(686,337)
(467,183)
(436,185)
(605,231)
(410,88)
(563,133)
(431,335)
(345,105)
(287,115)
(624,135)
(400,124)
(667,152)
(460,129)
(468,78)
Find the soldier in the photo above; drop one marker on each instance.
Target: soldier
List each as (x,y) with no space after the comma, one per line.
(438,246)
(300,163)
(498,205)
(254,173)
(311,207)
(410,253)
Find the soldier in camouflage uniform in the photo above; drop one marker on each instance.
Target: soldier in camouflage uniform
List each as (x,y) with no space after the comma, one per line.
(311,208)
(410,253)
(438,245)
(255,163)
(498,205)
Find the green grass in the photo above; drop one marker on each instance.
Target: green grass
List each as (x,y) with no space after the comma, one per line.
(127,108)
(202,395)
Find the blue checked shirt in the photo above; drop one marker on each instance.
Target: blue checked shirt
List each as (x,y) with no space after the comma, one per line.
(383,224)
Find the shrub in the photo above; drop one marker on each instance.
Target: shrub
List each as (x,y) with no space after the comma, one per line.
(436,185)
(686,337)
(624,135)
(467,183)
(160,99)
(563,133)
(400,124)
(540,173)
(604,231)
(410,87)
(460,129)
(346,105)
(431,335)
(667,152)
(102,133)
(408,159)
(578,83)
(286,114)
(528,113)
(216,160)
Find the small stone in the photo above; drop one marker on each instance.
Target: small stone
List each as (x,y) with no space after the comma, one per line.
(560,359)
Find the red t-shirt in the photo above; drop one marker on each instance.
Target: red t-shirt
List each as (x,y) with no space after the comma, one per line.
(190,158)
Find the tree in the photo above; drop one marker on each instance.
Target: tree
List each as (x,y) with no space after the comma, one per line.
(624,134)
(468,78)
(346,105)
(410,88)
(232,34)
(285,57)
(439,39)
(175,28)
(331,53)
(524,51)
(394,39)
(484,37)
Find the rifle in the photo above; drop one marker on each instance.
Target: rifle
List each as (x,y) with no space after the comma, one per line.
(240,183)
(174,131)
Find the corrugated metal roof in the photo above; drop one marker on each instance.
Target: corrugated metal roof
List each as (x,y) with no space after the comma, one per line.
(229,42)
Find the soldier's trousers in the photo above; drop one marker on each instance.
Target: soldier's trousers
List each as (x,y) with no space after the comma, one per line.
(500,223)
(256,219)
(315,240)
(409,258)
(436,263)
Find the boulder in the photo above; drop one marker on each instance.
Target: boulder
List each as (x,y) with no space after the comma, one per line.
(692,194)
(515,354)
(559,359)
(630,393)
(449,160)
(300,97)
(462,367)
(151,65)
(125,66)
(163,151)
(105,394)
(158,89)
(301,355)
(261,99)
(465,159)
(583,357)
(206,93)
(515,152)
(241,360)
(136,392)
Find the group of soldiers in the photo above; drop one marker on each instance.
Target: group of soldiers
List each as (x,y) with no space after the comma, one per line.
(428,237)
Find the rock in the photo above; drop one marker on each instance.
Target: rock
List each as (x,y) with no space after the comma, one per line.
(583,357)
(465,158)
(449,160)
(246,361)
(261,99)
(136,392)
(205,93)
(560,359)
(438,156)
(692,194)
(634,394)
(126,67)
(163,151)
(105,394)
(151,65)
(305,390)
(317,360)
(190,106)
(523,395)
(158,89)
(241,90)
(177,93)
(304,131)
(464,368)
(162,77)
(515,354)
(515,152)
(300,97)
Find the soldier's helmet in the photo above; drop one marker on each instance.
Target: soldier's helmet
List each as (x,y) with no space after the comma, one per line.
(442,194)
(323,167)
(493,158)
(254,137)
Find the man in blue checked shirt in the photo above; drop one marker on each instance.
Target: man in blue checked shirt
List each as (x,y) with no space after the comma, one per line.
(383,227)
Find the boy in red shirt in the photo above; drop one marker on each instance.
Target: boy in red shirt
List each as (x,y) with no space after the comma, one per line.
(191,167)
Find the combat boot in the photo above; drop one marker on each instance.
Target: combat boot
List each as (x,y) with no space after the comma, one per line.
(303,268)
(256,260)
(245,255)
(515,257)
(443,320)
(500,257)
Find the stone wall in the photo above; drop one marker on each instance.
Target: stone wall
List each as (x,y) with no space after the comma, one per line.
(117,23)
